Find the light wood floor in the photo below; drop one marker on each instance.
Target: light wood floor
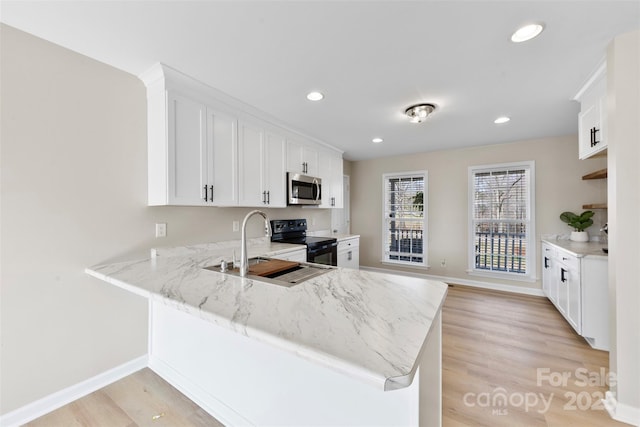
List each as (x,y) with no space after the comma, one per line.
(496,342)
(492,343)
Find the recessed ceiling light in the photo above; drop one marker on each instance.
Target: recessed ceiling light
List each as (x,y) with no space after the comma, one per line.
(527,32)
(377,140)
(501,120)
(315,96)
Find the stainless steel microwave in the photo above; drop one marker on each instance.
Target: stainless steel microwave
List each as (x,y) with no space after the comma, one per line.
(303,189)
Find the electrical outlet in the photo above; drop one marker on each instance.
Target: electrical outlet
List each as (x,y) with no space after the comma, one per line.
(236,225)
(443,263)
(161,229)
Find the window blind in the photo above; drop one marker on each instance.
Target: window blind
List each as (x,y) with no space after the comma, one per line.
(404,219)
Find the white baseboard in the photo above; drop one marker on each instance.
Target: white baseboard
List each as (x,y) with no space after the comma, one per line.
(465,282)
(621,412)
(65,396)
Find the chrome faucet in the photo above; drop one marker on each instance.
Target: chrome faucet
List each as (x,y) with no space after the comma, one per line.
(244,261)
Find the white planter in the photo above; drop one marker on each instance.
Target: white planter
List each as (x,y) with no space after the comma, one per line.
(579,236)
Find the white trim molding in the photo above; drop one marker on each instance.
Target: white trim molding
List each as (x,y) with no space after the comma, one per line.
(70,394)
(464,282)
(619,411)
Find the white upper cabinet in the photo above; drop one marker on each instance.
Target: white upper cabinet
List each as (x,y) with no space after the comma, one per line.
(221,159)
(262,175)
(251,172)
(302,158)
(206,148)
(194,164)
(592,126)
(330,168)
(185,149)
(275,174)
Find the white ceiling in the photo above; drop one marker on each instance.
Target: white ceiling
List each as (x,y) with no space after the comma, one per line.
(370,59)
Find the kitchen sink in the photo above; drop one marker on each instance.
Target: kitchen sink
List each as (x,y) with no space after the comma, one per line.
(295,275)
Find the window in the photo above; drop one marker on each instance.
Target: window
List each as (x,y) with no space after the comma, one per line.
(404,218)
(502,226)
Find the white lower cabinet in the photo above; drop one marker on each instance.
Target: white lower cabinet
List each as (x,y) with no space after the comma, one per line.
(578,287)
(299,255)
(349,253)
(549,273)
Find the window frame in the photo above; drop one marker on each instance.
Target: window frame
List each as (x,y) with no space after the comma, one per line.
(411,174)
(531,258)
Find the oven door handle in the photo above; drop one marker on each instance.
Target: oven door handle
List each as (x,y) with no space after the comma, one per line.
(322,248)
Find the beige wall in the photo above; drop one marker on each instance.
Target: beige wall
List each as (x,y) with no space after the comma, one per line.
(559,187)
(623,113)
(73,186)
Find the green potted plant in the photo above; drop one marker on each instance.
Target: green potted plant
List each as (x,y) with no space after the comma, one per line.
(579,223)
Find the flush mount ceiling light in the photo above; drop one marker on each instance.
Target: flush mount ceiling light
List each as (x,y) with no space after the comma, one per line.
(417,113)
(500,120)
(527,32)
(315,96)
(377,140)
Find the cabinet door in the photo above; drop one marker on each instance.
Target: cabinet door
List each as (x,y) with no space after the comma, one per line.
(297,256)
(330,170)
(251,149)
(349,253)
(222,158)
(325,173)
(310,160)
(275,175)
(592,120)
(295,164)
(563,288)
(302,159)
(187,161)
(337,182)
(574,300)
(549,273)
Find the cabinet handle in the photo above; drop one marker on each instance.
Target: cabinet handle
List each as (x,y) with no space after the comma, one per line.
(595,136)
(211,198)
(350,256)
(206,193)
(565,258)
(562,275)
(268,197)
(264,197)
(546,262)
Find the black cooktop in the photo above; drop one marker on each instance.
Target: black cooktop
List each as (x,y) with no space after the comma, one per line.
(295,231)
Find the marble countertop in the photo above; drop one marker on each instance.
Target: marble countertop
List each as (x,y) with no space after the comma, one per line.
(579,249)
(342,237)
(339,236)
(368,325)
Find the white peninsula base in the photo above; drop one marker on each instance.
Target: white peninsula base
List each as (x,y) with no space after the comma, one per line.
(243,381)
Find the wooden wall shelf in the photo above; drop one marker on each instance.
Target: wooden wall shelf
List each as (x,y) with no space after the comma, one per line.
(601,174)
(595,206)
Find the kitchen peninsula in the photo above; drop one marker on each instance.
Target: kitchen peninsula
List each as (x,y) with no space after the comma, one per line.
(348,347)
